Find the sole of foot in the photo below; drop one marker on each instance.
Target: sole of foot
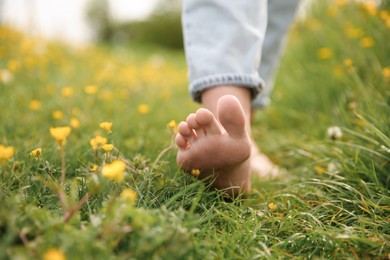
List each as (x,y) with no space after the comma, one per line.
(218,146)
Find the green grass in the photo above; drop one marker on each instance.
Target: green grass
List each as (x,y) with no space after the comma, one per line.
(333,201)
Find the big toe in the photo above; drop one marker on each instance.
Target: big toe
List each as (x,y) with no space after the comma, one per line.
(231,115)
(207,120)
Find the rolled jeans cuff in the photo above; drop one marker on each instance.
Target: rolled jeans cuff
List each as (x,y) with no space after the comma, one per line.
(253,83)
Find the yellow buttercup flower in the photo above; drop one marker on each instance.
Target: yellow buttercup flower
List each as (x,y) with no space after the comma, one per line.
(114,171)
(94,168)
(74,122)
(128,195)
(34,104)
(6,153)
(90,89)
(173,126)
(367,42)
(195,172)
(143,108)
(386,73)
(54,254)
(320,170)
(58,115)
(36,152)
(324,53)
(353,32)
(97,141)
(370,8)
(67,91)
(272,206)
(341,2)
(348,62)
(60,134)
(106,126)
(107,147)
(13,65)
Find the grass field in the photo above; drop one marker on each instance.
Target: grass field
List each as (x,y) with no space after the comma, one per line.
(67,193)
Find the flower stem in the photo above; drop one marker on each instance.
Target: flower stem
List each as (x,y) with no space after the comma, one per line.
(62,165)
(69,214)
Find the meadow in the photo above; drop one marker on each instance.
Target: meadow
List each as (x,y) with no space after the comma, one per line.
(87,159)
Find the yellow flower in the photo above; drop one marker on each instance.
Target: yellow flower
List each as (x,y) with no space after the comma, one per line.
(114,171)
(97,141)
(341,2)
(107,147)
(106,126)
(319,169)
(370,8)
(143,108)
(54,254)
(58,115)
(384,15)
(324,53)
(128,195)
(90,89)
(386,73)
(332,11)
(13,65)
(195,172)
(60,134)
(6,153)
(173,126)
(348,62)
(74,122)
(353,32)
(34,104)
(67,91)
(94,168)
(367,42)
(272,206)
(36,152)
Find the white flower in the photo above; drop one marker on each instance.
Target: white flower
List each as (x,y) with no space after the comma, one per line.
(334,132)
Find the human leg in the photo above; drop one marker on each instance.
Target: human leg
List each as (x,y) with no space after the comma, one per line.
(281,14)
(223,48)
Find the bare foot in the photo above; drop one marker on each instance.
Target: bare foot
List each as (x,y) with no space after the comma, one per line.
(261,165)
(218,146)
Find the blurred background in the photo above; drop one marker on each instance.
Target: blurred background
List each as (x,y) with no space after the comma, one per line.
(80,22)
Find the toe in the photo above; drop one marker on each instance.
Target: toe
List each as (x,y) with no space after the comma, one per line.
(193,123)
(207,120)
(231,115)
(181,142)
(186,131)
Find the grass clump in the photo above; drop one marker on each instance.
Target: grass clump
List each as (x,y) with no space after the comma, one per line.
(106,186)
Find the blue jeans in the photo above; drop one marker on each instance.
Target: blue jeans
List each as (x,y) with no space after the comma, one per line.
(235,42)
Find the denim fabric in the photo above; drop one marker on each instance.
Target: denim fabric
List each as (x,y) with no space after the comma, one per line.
(281,14)
(224,40)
